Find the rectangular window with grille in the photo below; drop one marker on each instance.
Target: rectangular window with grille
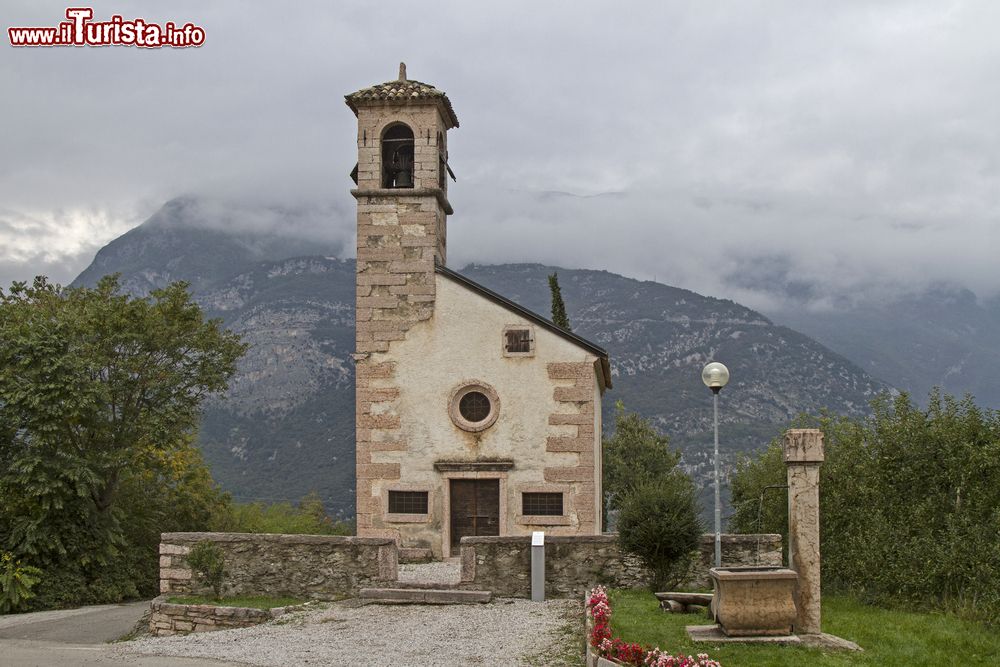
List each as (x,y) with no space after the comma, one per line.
(408,502)
(542,504)
(518,341)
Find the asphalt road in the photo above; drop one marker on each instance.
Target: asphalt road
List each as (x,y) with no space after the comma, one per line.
(70,637)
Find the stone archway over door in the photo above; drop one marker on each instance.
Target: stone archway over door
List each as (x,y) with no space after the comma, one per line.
(474,508)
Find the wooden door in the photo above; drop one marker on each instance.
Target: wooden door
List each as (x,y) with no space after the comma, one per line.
(475,509)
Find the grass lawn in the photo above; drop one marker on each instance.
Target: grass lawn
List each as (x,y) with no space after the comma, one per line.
(888,637)
(252,601)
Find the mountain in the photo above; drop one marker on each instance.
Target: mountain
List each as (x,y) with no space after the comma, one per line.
(286,426)
(941,337)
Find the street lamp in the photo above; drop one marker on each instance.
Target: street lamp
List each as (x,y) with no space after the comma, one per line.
(716,376)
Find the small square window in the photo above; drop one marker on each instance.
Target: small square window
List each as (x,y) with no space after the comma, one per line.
(407,502)
(517,341)
(542,504)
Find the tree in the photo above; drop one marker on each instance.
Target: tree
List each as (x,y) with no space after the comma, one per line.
(100,395)
(636,453)
(655,501)
(658,522)
(559,316)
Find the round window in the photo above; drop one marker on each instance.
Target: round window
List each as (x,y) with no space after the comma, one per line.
(474,406)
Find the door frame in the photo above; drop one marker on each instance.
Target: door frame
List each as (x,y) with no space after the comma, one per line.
(446,523)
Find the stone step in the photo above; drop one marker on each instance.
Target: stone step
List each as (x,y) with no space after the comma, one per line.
(426,585)
(423,596)
(415,555)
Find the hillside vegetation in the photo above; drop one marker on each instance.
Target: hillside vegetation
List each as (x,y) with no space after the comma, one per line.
(286,425)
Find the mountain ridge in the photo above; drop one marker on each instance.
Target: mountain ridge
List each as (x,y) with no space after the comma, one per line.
(286,425)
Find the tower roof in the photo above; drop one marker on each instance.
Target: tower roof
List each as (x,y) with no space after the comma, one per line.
(402,90)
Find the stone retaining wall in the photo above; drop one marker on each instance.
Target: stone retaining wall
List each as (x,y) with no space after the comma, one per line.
(304,566)
(573,565)
(180,619)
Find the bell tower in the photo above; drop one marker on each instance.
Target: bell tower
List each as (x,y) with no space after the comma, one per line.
(403,207)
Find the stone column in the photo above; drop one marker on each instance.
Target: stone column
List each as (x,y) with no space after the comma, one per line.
(803,456)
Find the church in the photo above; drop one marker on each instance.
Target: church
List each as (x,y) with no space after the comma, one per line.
(474,416)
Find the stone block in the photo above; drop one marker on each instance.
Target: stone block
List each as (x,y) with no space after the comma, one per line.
(382,370)
(379,421)
(382,279)
(415,266)
(803,445)
(389,446)
(573,394)
(565,444)
(182,574)
(373,346)
(569,370)
(377,302)
(379,471)
(174,549)
(380,254)
(579,418)
(577,474)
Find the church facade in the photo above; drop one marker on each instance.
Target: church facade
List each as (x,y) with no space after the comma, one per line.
(474,416)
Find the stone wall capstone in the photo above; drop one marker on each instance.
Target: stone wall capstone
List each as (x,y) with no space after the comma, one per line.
(305,566)
(574,564)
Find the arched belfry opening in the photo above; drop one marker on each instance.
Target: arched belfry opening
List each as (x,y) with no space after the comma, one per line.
(397,156)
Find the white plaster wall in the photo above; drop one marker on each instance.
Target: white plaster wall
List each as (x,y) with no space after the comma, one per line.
(461,342)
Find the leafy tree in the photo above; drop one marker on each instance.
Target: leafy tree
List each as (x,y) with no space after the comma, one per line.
(559,316)
(658,522)
(655,501)
(909,503)
(636,453)
(100,394)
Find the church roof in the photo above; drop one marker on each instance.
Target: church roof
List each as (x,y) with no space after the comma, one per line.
(401,90)
(504,302)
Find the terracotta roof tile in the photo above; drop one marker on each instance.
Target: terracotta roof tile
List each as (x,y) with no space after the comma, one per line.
(401,90)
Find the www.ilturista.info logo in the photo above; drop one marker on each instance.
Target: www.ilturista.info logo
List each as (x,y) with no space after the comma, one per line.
(79,30)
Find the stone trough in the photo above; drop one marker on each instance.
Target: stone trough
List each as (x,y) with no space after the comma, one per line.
(754,601)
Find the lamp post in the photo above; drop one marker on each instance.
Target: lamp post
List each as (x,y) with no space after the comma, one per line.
(716,376)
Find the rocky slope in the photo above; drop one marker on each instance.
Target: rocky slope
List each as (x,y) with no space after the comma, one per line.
(942,337)
(286,425)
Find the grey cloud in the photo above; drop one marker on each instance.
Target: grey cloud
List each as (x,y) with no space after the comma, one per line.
(760,153)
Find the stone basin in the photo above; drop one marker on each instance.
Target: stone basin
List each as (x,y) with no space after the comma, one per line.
(754,601)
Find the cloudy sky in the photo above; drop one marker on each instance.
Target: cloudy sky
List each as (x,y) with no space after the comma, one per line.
(740,149)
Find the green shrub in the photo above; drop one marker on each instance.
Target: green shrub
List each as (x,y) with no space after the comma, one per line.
(208,566)
(16,582)
(658,522)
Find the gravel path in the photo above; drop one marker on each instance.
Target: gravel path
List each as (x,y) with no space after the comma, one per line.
(513,632)
(438,572)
